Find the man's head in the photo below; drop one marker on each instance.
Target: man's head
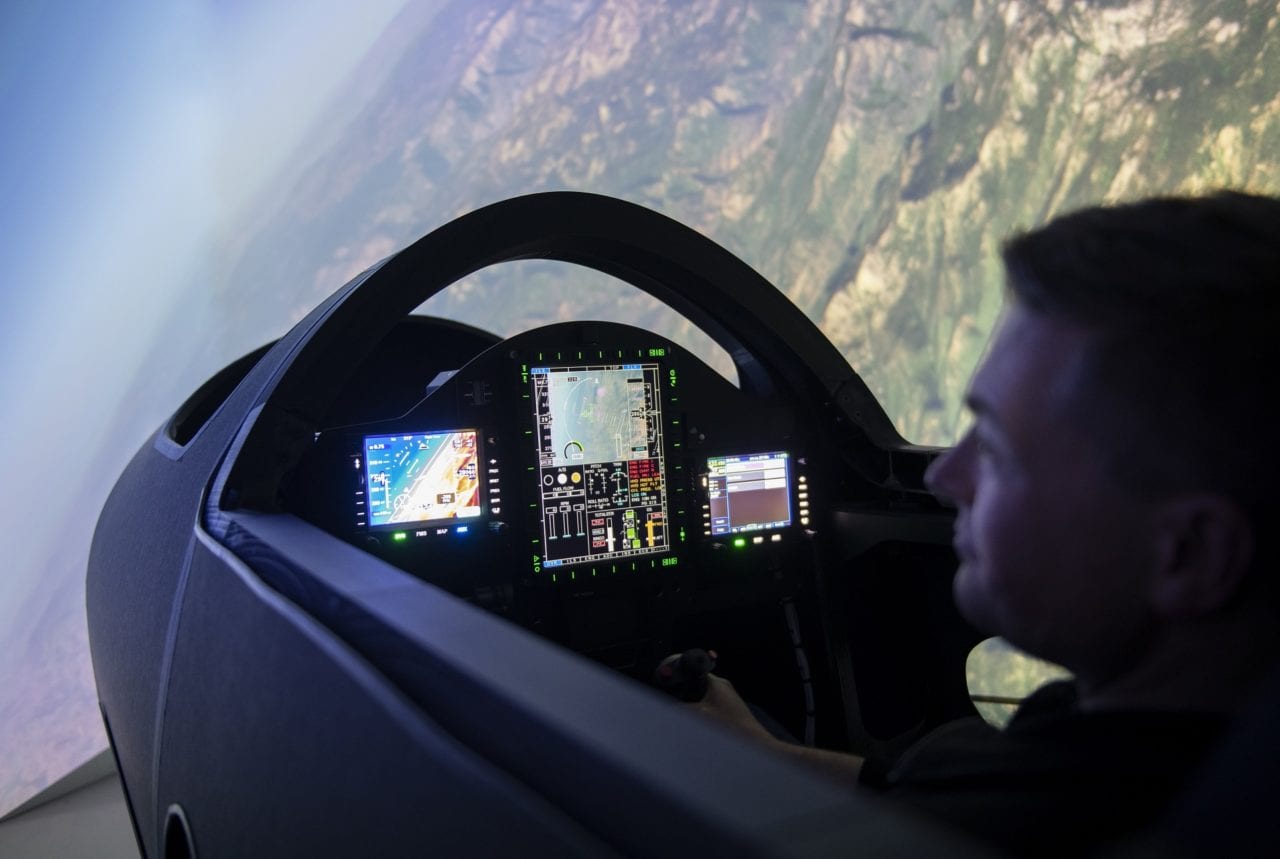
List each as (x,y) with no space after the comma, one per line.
(1120,462)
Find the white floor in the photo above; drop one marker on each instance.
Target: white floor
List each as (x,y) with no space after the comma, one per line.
(91,820)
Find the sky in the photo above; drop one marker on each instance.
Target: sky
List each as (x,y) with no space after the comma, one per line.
(134,133)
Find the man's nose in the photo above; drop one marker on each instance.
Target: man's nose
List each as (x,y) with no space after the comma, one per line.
(944,478)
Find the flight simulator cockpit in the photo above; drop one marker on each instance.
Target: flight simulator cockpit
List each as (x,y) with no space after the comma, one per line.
(410,575)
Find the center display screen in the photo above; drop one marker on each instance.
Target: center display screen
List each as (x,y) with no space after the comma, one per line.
(422,477)
(601,467)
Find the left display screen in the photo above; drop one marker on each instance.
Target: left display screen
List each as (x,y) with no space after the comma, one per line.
(422,477)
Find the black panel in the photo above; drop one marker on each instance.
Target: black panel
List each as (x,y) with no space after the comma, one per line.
(320,754)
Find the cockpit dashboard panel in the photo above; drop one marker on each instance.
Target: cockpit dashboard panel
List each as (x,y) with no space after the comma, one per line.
(596,462)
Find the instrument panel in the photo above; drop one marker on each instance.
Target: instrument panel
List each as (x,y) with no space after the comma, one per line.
(589,480)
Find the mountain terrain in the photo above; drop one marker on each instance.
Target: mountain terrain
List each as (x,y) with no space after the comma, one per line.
(866,156)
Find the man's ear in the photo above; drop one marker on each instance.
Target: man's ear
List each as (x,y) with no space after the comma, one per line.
(1205,545)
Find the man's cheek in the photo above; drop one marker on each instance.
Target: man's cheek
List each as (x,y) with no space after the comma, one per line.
(971,596)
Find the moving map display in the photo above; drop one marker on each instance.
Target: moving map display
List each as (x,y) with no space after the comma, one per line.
(601,467)
(422,477)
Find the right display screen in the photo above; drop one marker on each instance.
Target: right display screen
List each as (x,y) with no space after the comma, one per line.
(749,492)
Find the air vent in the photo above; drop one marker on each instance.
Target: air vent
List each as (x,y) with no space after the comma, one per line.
(192,415)
(178,843)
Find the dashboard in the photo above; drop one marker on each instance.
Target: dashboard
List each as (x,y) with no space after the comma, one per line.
(590,481)
(603,488)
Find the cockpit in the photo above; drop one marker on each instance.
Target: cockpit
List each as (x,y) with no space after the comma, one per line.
(591,483)
(588,481)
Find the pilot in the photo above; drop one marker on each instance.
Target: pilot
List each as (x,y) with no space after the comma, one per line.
(1112,496)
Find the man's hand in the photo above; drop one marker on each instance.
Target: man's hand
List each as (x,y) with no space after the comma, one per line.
(723,703)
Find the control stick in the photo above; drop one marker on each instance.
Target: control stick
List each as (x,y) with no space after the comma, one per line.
(684,675)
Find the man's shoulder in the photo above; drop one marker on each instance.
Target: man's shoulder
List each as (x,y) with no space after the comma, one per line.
(1050,735)
(1095,774)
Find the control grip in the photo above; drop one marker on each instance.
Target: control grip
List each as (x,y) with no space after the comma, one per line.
(684,675)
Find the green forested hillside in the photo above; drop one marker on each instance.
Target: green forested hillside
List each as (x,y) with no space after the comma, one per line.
(866,156)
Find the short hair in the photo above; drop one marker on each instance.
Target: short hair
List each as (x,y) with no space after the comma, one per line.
(1179,296)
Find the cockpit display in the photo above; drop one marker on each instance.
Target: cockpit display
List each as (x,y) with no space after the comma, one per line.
(601,466)
(750,492)
(422,477)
